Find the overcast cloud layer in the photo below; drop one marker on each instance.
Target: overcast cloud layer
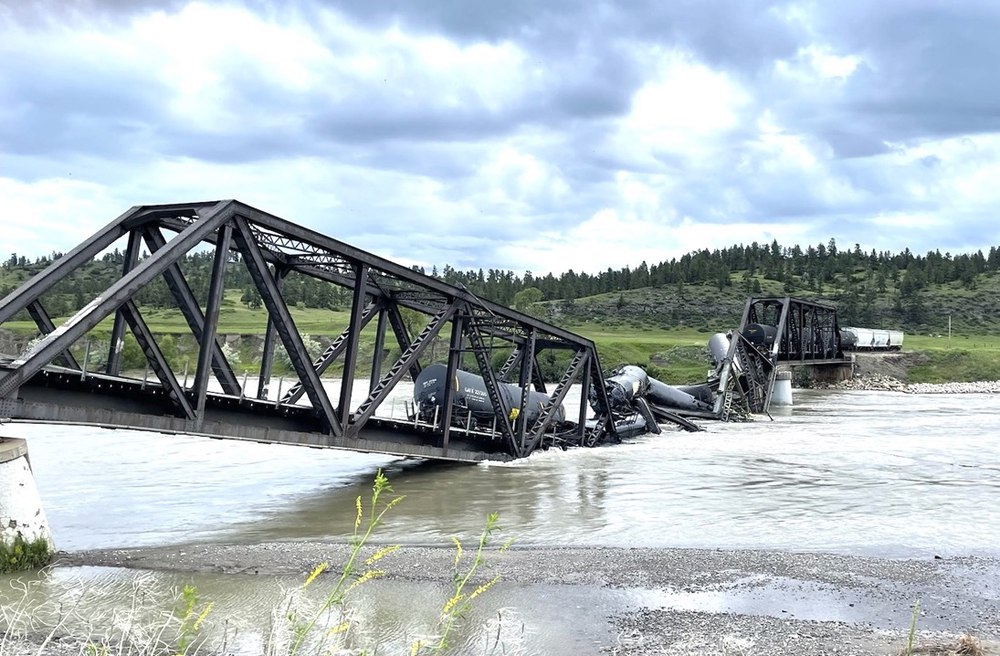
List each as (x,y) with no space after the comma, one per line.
(517,134)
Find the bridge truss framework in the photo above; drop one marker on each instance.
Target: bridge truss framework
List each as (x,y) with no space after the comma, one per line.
(806,334)
(306,413)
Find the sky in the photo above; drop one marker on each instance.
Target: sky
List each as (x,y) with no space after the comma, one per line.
(522,135)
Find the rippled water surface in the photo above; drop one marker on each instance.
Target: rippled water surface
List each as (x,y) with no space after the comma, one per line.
(860,472)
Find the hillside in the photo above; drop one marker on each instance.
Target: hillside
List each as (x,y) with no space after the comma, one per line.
(663,324)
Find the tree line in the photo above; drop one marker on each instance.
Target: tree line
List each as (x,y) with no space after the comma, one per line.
(851,277)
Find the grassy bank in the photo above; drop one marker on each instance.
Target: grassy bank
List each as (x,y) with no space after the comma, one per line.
(672,354)
(962,358)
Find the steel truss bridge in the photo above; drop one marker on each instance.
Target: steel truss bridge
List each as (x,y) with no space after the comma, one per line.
(805,333)
(46,383)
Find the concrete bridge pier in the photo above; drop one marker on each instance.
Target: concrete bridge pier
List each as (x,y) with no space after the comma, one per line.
(22,520)
(781,389)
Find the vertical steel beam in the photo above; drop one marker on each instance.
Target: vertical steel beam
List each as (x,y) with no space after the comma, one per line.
(191,311)
(581,427)
(498,398)
(118,330)
(781,328)
(216,289)
(284,325)
(597,381)
(454,355)
(378,355)
(527,366)
(353,339)
(45,326)
(267,356)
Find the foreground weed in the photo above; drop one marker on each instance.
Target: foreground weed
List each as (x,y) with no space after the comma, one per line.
(190,617)
(460,603)
(353,574)
(21,554)
(913,629)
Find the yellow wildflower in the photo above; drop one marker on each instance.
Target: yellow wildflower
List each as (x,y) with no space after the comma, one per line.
(316,572)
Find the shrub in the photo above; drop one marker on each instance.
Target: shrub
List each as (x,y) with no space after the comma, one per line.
(22,554)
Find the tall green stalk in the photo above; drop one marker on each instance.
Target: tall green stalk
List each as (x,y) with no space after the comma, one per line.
(336,596)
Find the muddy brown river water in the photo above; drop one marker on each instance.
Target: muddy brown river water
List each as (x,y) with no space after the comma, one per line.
(885,476)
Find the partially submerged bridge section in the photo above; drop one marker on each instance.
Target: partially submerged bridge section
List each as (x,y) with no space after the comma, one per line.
(47,383)
(774,332)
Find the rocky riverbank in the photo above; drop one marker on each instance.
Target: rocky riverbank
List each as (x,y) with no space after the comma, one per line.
(883,383)
(888,372)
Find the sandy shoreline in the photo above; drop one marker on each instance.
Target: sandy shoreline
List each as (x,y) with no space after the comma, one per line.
(712,601)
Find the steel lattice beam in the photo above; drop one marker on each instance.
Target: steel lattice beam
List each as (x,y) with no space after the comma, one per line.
(351,347)
(208,344)
(122,290)
(188,306)
(118,330)
(266,241)
(285,326)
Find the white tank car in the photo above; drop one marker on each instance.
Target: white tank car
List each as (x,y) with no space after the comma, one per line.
(872,339)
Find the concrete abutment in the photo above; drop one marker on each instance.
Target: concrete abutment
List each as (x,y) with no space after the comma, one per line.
(22,519)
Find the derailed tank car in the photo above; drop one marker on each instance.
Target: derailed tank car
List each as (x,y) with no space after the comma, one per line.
(470,398)
(760,335)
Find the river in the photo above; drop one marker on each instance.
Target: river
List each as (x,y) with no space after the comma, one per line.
(857,472)
(862,473)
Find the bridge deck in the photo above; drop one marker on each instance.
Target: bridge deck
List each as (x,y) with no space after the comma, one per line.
(64,397)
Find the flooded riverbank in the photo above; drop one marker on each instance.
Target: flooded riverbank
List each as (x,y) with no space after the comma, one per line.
(893,495)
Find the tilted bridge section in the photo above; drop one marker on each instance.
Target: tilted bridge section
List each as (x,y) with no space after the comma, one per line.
(488,401)
(46,383)
(773,331)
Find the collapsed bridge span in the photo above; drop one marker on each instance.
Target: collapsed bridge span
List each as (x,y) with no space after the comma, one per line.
(395,312)
(485,399)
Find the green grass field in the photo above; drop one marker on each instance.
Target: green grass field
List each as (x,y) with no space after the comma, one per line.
(962,358)
(674,356)
(234,318)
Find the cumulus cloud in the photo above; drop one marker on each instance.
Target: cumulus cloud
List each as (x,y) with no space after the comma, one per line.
(513,135)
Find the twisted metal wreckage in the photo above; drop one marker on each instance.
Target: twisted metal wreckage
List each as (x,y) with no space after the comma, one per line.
(463,409)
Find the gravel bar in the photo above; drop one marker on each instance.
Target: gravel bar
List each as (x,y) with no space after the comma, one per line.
(704,601)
